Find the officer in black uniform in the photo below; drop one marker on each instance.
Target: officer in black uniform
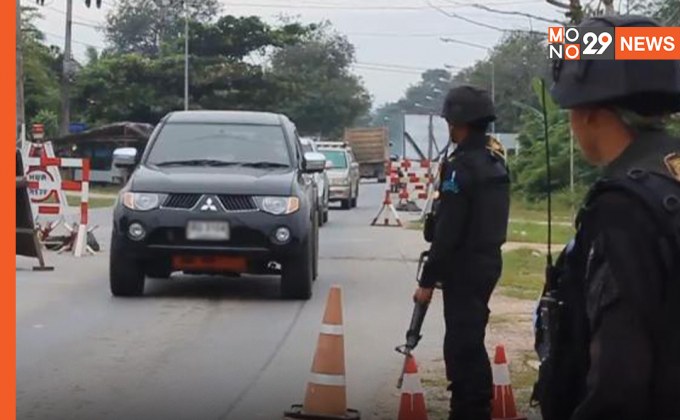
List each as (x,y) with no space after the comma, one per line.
(465,257)
(609,322)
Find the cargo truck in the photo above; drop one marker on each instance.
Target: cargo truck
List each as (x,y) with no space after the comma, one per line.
(371,149)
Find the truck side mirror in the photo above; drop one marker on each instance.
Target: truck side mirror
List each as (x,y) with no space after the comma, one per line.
(125,157)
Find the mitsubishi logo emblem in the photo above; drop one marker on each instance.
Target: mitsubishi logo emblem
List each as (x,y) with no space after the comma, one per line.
(209,205)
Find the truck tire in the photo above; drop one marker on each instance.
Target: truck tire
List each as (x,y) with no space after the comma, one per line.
(355,198)
(126,275)
(296,277)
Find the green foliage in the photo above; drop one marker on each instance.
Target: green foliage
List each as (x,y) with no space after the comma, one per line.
(49,119)
(307,77)
(144,26)
(315,86)
(518,58)
(41,68)
(528,167)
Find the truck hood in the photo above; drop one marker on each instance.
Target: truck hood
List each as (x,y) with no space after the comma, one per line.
(337,173)
(211,180)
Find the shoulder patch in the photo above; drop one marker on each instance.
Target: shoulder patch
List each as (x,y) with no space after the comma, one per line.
(496,147)
(672,162)
(451,184)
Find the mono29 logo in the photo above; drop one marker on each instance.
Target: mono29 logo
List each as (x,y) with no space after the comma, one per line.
(572,43)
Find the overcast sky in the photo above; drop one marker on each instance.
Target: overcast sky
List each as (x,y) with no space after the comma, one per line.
(395,40)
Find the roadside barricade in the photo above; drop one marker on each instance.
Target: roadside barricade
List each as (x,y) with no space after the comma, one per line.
(27,243)
(409,188)
(47,190)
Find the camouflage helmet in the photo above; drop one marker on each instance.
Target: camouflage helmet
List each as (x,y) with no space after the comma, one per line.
(648,87)
(467,104)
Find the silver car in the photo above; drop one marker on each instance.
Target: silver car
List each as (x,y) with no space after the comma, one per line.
(321,179)
(343,173)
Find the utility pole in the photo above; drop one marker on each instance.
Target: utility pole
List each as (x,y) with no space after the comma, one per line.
(186,55)
(21,129)
(65,118)
(493,89)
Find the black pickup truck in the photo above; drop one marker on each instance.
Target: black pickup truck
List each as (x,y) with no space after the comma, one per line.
(218,192)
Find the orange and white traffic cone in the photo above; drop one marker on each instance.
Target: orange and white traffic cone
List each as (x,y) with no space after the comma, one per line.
(503,403)
(412,405)
(326,396)
(389,210)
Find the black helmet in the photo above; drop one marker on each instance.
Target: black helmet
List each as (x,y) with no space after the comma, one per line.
(467,104)
(648,87)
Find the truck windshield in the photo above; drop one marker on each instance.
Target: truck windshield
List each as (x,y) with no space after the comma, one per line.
(337,157)
(226,143)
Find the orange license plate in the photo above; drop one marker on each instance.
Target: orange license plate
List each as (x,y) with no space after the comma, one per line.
(211,263)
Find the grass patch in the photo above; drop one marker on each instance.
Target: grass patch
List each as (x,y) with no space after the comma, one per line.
(502,319)
(106,189)
(94,202)
(533,232)
(523,274)
(525,231)
(523,378)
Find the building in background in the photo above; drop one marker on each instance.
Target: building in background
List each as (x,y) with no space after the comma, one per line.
(98,145)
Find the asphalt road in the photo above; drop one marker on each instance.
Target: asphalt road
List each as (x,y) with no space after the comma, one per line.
(210,347)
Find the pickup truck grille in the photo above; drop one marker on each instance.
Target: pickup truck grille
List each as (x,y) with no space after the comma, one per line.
(238,202)
(181,201)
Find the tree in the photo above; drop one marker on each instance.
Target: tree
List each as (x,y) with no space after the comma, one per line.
(42,65)
(138,87)
(517,59)
(528,168)
(144,26)
(316,87)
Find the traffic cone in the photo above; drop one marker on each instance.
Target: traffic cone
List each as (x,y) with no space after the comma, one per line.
(388,208)
(503,403)
(326,396)
(412,405)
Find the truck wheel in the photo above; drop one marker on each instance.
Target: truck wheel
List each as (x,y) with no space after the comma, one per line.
(126,276)
(347,204)
(356,197)
(296,278)
(325,216)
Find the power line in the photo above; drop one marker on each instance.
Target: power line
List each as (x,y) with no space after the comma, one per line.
(74,41)
(387,70)
(475,22)
(406,34)
(396,66)
(349,7)
(513,13)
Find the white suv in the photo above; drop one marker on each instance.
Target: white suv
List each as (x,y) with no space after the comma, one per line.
(321,179)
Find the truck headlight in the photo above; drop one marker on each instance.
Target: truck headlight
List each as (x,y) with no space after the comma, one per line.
(278,205)
(141,201)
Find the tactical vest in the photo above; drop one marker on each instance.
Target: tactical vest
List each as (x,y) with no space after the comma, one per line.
(562,332)
(494,148)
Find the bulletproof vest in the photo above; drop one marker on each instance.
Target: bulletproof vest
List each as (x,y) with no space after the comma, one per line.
(490,168)
(562,335)
(490,199)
